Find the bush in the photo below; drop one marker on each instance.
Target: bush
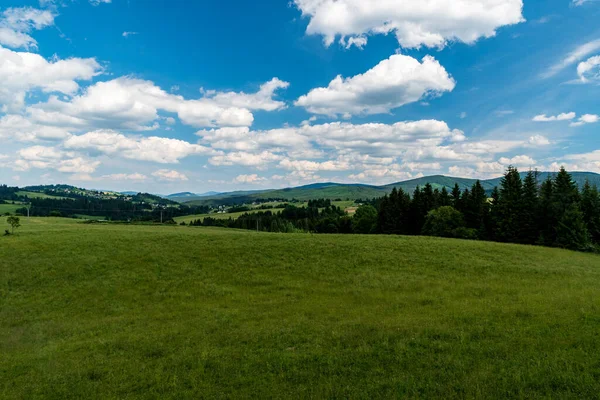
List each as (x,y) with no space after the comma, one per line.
(445,222)
(365,219)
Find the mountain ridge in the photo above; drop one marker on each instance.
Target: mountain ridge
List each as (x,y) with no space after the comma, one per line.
(332,190)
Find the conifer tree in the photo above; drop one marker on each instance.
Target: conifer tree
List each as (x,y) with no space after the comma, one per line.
(529,218)
(445,199)
(509,206)
(456,196)
(546,219)
(590,206)
(571,230)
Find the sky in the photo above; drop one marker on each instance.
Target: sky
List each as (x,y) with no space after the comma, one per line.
(166,96)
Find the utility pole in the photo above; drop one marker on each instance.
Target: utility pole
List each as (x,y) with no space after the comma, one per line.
(161,218)
(28,206)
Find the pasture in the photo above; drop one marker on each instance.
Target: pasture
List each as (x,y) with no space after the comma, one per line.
(112,311)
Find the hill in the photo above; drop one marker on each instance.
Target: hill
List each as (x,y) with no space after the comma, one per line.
(334,191)
(179,312)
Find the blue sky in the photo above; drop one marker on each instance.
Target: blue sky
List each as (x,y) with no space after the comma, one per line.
(167,96)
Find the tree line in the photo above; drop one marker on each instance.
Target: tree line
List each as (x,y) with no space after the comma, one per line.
(555,213)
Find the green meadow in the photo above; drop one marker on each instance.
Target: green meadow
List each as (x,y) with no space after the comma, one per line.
(114,311)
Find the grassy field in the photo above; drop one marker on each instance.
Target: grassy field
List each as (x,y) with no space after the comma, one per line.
(9,208)
(38,195)
(107,311)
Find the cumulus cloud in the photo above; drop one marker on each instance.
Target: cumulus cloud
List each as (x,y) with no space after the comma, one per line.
(17,23)
(560,117)
(392,83)
(169,175)
(261,100)
(538,140)
(248,179)
(156,149)
(586,119)
(129,103)
(246,159)
(19,128)
(415,23)
(21,72)
(52,158)
(126,34)
(125,177)
(589,70)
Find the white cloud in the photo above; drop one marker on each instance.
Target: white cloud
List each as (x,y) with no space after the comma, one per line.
(126,34)
(518,161)
(261,100)
(258,160)
(249,179)
(52,158)
(21,72)
(415,23)
(17,23)
(312,166)
(392,83)
(538,140)
(589,70)
(156,149)
(169,175)
(560,117)
(125,177)
(586,119)
(129,103)
(581,2)
(18,128)
(98,2)
(576,55)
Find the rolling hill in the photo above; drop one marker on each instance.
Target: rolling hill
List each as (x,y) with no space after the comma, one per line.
(331,190)
(175,312)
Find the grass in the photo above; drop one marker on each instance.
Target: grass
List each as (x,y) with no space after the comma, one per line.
(9,208)
(38,195)
(103,311)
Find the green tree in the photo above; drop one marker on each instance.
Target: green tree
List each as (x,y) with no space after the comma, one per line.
(590,206)
(365,219)
(509,206)
(529,221)
(14,222)
(443,222)
(546,219)
(571,231)
(477,209)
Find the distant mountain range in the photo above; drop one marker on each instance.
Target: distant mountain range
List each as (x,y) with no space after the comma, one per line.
(332,190)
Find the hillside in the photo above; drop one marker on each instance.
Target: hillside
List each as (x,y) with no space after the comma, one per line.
(179,312)
(334,191)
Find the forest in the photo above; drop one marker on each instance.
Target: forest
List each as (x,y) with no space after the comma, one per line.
(554,213)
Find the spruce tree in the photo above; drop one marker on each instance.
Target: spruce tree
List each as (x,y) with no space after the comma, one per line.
(529,220)
(571,230)
(445,199)
(546,218)
(456,196)
(590,206)
(509,206)
(492,224)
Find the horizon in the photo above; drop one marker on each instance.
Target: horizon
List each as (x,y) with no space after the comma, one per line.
(143,96)
(215,192)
